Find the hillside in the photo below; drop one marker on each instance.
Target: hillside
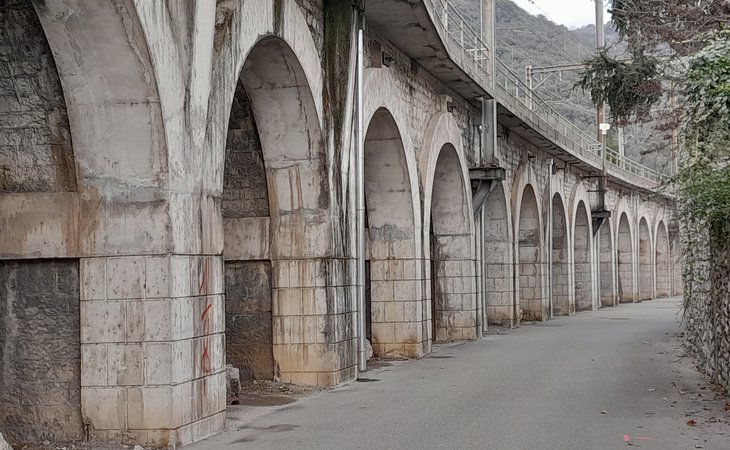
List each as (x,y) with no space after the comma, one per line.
(524,39)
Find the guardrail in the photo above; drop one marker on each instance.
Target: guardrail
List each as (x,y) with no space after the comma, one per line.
(467,44)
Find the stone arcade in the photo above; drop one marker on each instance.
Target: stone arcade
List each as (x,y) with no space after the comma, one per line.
(176,192)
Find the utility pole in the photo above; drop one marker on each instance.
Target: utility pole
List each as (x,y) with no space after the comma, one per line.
(600,45)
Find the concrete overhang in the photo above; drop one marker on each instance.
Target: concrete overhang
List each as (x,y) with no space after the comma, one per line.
(408,25)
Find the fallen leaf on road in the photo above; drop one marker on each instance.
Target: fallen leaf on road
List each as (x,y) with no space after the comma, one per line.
(699,446)
(604,412)
(652,390)
(682,392)
(691,422)
(665,399)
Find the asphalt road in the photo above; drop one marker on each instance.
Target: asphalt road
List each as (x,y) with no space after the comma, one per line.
(591,381)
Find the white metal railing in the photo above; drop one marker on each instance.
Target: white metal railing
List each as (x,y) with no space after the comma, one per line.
(462,40)
(511,91)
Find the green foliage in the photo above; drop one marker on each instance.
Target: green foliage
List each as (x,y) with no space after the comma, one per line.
(704,178)
(629,88)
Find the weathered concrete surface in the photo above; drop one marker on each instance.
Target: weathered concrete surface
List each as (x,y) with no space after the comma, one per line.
(39,351)
(548,390)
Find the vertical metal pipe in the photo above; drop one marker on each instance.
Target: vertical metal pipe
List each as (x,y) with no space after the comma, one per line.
(482,271)
(550,236)
(360,186)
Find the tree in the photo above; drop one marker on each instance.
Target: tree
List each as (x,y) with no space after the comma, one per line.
(643,85)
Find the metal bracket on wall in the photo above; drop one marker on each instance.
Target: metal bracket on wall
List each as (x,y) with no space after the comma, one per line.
(483,180)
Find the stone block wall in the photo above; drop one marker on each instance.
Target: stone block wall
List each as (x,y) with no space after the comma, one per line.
(35,142)
(707,299)
(249,338)
(399,325)
(40,375)
(152,348)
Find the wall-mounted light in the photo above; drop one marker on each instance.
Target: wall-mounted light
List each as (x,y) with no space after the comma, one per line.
(387,59)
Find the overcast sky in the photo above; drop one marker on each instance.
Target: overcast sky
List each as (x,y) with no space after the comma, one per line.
(571,13)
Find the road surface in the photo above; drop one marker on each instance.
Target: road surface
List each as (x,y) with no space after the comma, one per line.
(608,379)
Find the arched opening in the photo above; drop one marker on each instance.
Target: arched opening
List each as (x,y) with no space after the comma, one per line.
(646,272)
(582,259)
(606,267)
(272,183)
(561,253)
(396,309)
(663,263)
(676,259)
(497,259)
(530,259)
(452,273)
(40,308)
(624,244)
(245,207)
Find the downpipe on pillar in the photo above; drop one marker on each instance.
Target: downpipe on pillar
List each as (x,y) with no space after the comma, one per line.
(550,237)
(360,206)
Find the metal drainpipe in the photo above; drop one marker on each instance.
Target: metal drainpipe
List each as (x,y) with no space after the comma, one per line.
(550,236)
(482,273)
(360,186)
(479,235)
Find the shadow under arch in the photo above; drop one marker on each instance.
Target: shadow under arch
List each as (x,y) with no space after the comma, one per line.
(561,259)
(625,260)
(274,207)
(397,314)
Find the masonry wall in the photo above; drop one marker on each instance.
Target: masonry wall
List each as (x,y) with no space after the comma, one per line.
(39,350)
(249,338)
(35,142)
(707,299)
(248,318)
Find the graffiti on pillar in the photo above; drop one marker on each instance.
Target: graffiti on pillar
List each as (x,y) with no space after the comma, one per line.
(204,319)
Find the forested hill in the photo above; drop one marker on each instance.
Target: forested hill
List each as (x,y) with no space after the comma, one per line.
(524,39)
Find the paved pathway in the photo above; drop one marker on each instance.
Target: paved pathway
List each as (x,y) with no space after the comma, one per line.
(590,381)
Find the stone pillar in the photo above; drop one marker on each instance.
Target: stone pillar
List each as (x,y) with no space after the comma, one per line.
(152,348)
(398,317)
(313,321)
(454,289)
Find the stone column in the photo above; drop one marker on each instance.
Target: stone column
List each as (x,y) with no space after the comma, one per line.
(152,348)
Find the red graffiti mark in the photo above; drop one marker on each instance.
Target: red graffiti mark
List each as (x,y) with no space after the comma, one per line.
(204,280)
(205,356)
(205,312)
(205,359)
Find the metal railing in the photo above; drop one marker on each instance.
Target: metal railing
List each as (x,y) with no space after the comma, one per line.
(467,49)
(465,44)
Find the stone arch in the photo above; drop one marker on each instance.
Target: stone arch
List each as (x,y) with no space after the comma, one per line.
(274,210)
(498,251)
(561,258)
(663,261)
(606,264)
(528,237)
(392,228)
(582,266)
(646,269)
(448,230)
(625,260)
(98,132)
